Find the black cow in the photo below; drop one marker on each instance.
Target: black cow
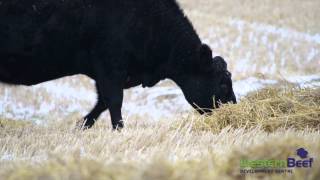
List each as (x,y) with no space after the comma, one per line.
(118,43)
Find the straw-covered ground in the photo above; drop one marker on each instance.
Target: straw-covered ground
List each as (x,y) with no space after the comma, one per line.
(268,41)
(271,38)
(270,124)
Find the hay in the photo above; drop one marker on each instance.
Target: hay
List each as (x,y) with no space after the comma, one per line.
(269,109)
(12,124)
(209,166)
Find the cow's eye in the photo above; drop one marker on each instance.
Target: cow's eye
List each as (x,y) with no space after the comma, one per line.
(229,74)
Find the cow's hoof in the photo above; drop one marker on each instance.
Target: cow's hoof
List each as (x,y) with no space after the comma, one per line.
(117,127)
(83,125)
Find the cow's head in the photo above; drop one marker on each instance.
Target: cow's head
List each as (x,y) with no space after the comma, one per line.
(208,83)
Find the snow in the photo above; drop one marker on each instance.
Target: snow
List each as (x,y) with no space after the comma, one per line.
(65,91)
(156,103)
(300,79)
(7,157)
(252,48)
(284,33)
(243,87)
(306,81)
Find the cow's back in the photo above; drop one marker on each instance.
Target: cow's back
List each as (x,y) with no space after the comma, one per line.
(28,24)
(40,40)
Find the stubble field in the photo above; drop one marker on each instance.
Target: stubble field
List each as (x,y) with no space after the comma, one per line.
(273,50)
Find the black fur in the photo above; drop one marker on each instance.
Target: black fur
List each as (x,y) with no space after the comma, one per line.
(118,43)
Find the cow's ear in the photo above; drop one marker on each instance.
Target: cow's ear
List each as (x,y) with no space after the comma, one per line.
(205,53)
(219,64)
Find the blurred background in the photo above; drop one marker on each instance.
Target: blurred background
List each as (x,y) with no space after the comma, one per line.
(265,42)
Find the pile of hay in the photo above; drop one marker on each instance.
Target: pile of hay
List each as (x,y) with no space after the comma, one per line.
(270,109)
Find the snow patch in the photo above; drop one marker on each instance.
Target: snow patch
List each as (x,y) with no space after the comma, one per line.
(301,79)
(243,87)
(7,157)
(269,29)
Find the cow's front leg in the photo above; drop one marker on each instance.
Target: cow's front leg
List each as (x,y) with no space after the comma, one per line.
(115,105)
(110,96)
(111,92)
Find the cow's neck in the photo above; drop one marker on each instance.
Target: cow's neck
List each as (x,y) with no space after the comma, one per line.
(184,45)
(178,34)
